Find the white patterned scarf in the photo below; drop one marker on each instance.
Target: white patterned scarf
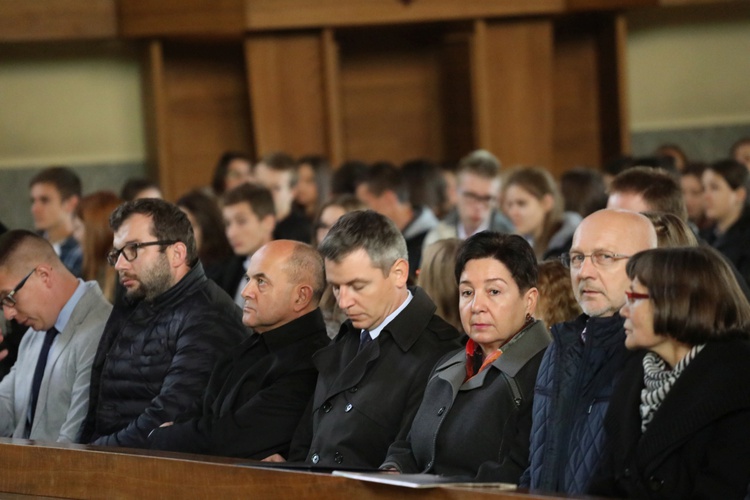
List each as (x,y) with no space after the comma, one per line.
(659,380)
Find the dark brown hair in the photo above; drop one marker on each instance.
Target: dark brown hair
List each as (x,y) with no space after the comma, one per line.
(695,294)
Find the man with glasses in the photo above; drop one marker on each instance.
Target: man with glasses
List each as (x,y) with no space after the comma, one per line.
(160,345)
(580,367)
(477,186)
(45,395)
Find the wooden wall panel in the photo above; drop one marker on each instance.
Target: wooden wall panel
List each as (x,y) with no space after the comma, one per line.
(200,110)
(49,20)
(459,137)
(391,96)
(278,14)
(286,74)
(577,139)
(590,103)
(159,18)
(512,71)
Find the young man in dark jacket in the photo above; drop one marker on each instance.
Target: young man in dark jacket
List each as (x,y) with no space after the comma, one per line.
(159,348)
(257,394)
(580,367)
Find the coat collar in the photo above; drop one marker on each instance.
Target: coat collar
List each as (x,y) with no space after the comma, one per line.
(709,388)
(527,344)
(289,333)
(405,330)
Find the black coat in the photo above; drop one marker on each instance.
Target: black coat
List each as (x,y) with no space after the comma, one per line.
(698,443)
(155,358)
(256,395)
(365,401)
(478,428)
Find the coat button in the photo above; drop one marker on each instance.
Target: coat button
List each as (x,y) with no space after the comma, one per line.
(338,458)
(354,389)
(441,411)
(655,483)
(348,408)
(626,473)
(315,458)
(327,406)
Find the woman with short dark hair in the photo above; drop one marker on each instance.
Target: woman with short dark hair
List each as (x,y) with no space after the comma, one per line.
(475,417)
(677,425)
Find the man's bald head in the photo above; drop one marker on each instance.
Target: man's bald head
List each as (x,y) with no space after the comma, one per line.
(285,281)
(304,265)
(600,288)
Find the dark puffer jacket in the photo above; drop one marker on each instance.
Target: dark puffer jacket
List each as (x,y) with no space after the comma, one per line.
(155,358)
(571,397)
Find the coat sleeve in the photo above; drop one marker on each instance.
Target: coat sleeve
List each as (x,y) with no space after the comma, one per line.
(401,458)
(265,423)
(199,345)
(725,472)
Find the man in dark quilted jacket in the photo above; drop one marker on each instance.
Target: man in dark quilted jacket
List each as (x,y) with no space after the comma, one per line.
(160,345)
(581,365)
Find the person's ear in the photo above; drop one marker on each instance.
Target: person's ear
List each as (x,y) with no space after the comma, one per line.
(548,202)
(179,254)
(70,204)
(531,297)
(400,272)
(45,274)
(302,297)
(268,223)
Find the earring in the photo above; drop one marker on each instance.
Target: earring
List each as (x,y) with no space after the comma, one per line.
(529,318)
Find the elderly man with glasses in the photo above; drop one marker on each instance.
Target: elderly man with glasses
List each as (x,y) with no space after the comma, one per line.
(159,347)
(579,368)
(45,395)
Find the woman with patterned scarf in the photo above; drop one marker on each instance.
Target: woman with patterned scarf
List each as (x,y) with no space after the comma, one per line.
(678,425)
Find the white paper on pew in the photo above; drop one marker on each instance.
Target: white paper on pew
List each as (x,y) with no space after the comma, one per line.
(419,480)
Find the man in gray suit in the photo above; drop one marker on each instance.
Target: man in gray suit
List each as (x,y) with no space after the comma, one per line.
(45,395)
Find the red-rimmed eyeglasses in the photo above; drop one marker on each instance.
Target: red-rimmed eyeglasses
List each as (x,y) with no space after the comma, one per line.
(633,296)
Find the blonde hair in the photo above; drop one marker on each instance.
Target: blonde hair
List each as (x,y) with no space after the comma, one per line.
(671,231)
(437,279)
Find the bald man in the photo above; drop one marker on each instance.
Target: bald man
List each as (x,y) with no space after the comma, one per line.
(257,395)
(46,393)
(581,365)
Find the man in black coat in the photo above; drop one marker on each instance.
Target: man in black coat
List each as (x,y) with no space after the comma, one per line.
(160,346)
(373,375)
(257,395)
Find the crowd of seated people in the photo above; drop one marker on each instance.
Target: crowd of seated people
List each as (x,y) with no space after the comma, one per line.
(586,336)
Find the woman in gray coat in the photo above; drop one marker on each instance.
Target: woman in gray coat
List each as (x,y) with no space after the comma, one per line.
(475,417)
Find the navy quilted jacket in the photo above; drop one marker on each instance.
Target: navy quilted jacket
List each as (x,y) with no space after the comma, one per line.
(571,396)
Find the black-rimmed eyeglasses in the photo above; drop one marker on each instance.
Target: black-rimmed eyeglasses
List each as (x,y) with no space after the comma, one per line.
(130,251)
(9,300)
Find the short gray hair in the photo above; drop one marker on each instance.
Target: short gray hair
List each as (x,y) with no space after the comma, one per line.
(368,230)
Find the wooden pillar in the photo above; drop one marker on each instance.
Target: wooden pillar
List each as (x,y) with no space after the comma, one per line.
(512,67)
(197,108)
(288,91)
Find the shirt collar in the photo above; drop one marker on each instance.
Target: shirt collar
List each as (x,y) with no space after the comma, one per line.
(67,310)
(376,331)
(461,230)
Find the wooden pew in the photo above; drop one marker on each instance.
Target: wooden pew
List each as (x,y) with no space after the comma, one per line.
(77,471)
